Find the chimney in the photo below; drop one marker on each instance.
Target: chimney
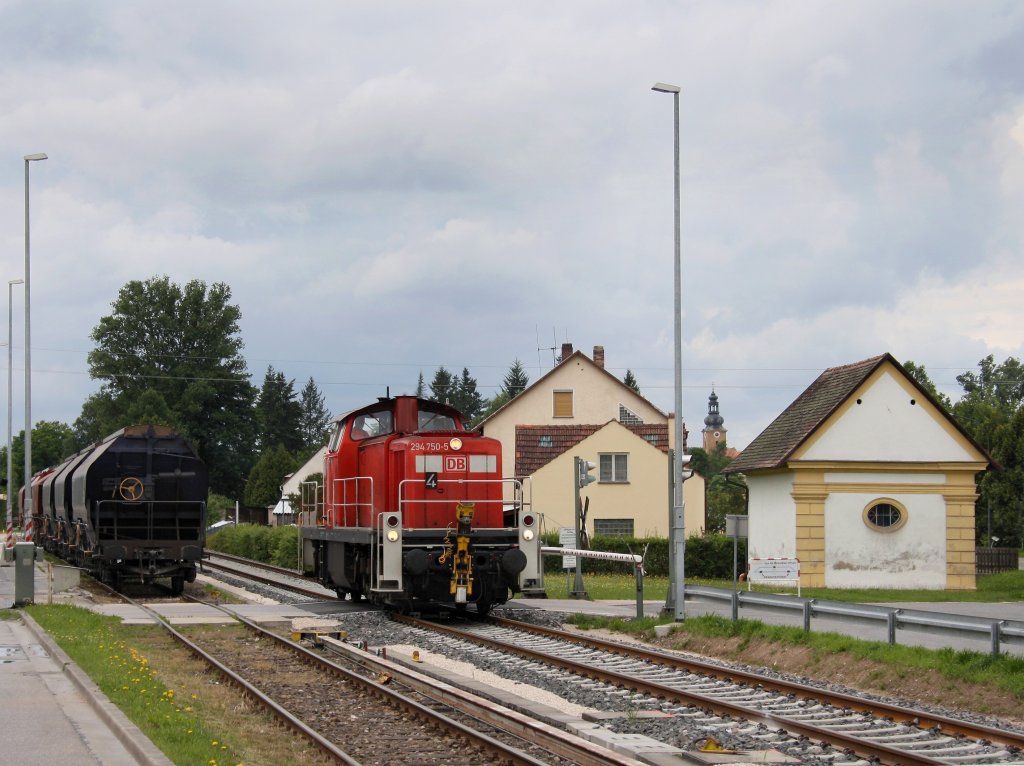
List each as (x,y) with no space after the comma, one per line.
(599,356)
(566,351)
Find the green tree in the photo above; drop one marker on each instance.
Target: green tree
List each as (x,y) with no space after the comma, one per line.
(421,387)
(920,374)
(219,508)
(264,485)
(315,421)
(52,441)
(495,404)
(442,387)
(515,382)
(1002,490)
(990,410)
(467,399)
(724,495)
(278,413)
(183,344)
(630,380)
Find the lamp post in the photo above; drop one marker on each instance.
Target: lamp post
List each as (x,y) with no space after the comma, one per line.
(677,538)
(29,158)
(10,409)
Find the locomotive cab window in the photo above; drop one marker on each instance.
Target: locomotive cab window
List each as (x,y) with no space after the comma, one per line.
(435,421)
(885,515)
(371,424)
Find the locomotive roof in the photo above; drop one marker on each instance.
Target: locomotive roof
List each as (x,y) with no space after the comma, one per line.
(389,403)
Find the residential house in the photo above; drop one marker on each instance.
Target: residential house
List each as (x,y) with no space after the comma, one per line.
(868,481)
(579,409)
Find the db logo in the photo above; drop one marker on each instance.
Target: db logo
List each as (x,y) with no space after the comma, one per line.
(455,463)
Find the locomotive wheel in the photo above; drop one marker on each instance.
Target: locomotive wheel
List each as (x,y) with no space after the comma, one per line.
(483,607)
(356,594)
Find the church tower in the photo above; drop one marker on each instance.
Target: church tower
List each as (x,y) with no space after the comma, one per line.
(714,425)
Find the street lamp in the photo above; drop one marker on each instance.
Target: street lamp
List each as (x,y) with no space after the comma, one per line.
(28,346)
(10,410)
(677,537)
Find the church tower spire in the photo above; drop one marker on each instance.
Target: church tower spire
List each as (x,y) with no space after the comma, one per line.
(714,424)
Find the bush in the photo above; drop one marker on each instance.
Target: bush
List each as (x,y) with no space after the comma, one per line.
(270,545)
(708,557)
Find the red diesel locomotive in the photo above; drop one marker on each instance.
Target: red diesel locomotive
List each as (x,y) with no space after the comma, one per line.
(416,513)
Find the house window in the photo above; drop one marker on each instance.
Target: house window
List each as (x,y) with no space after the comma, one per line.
(617,527)
(885,515)
(562,407)
(629,418)
(546,441)
(614,468)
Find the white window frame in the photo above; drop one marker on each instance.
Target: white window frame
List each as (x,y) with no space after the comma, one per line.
(619,467)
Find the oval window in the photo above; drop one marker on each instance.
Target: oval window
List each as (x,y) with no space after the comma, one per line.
(885,515)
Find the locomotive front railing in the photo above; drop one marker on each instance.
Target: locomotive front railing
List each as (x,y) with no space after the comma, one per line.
(348,496)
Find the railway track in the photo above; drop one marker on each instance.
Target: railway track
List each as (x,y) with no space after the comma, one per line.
(289,580)
(809,722)
(785,715)
(363,709)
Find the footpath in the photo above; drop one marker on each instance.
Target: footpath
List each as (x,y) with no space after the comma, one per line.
(53,712)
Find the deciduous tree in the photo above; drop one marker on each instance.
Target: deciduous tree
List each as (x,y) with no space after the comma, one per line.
(181,345)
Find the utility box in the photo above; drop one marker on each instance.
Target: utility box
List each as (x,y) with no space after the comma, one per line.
(24,573)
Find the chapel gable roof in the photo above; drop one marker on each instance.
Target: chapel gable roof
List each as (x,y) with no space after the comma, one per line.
(777,443)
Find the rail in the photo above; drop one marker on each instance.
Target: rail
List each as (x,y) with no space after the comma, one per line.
(894,618)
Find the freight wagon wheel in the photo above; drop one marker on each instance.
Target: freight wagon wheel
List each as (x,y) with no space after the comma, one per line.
(177,585)
(131,489)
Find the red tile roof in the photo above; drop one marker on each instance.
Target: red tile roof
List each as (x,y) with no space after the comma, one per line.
(536,446)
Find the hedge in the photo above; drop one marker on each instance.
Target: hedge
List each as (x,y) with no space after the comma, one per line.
(709,557)
(271,545)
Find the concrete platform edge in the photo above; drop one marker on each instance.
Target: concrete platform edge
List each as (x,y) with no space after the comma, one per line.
(127,733)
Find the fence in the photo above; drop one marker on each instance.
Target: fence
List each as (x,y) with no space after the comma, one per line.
(995,560)
(997,632)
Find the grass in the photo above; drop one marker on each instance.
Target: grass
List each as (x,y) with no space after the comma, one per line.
(1007,586)
(190,714)
(102,647)
(1003,671)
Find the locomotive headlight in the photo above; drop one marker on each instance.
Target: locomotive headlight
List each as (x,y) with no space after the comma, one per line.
(455,444)
(527,534)
(392,535)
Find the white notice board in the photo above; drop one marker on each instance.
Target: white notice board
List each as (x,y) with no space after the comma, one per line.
(567,539)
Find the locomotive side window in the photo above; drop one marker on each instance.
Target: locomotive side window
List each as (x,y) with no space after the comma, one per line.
(336,437)
(372,424)
(435,421)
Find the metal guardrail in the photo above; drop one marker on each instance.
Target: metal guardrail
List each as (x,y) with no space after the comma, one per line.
(997,631)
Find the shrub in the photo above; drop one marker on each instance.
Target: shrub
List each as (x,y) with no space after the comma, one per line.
(709,557)
(271,545)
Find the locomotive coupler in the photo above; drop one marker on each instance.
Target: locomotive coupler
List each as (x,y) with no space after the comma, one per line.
(462,562)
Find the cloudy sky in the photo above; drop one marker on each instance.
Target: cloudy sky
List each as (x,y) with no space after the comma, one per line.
(388,187)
